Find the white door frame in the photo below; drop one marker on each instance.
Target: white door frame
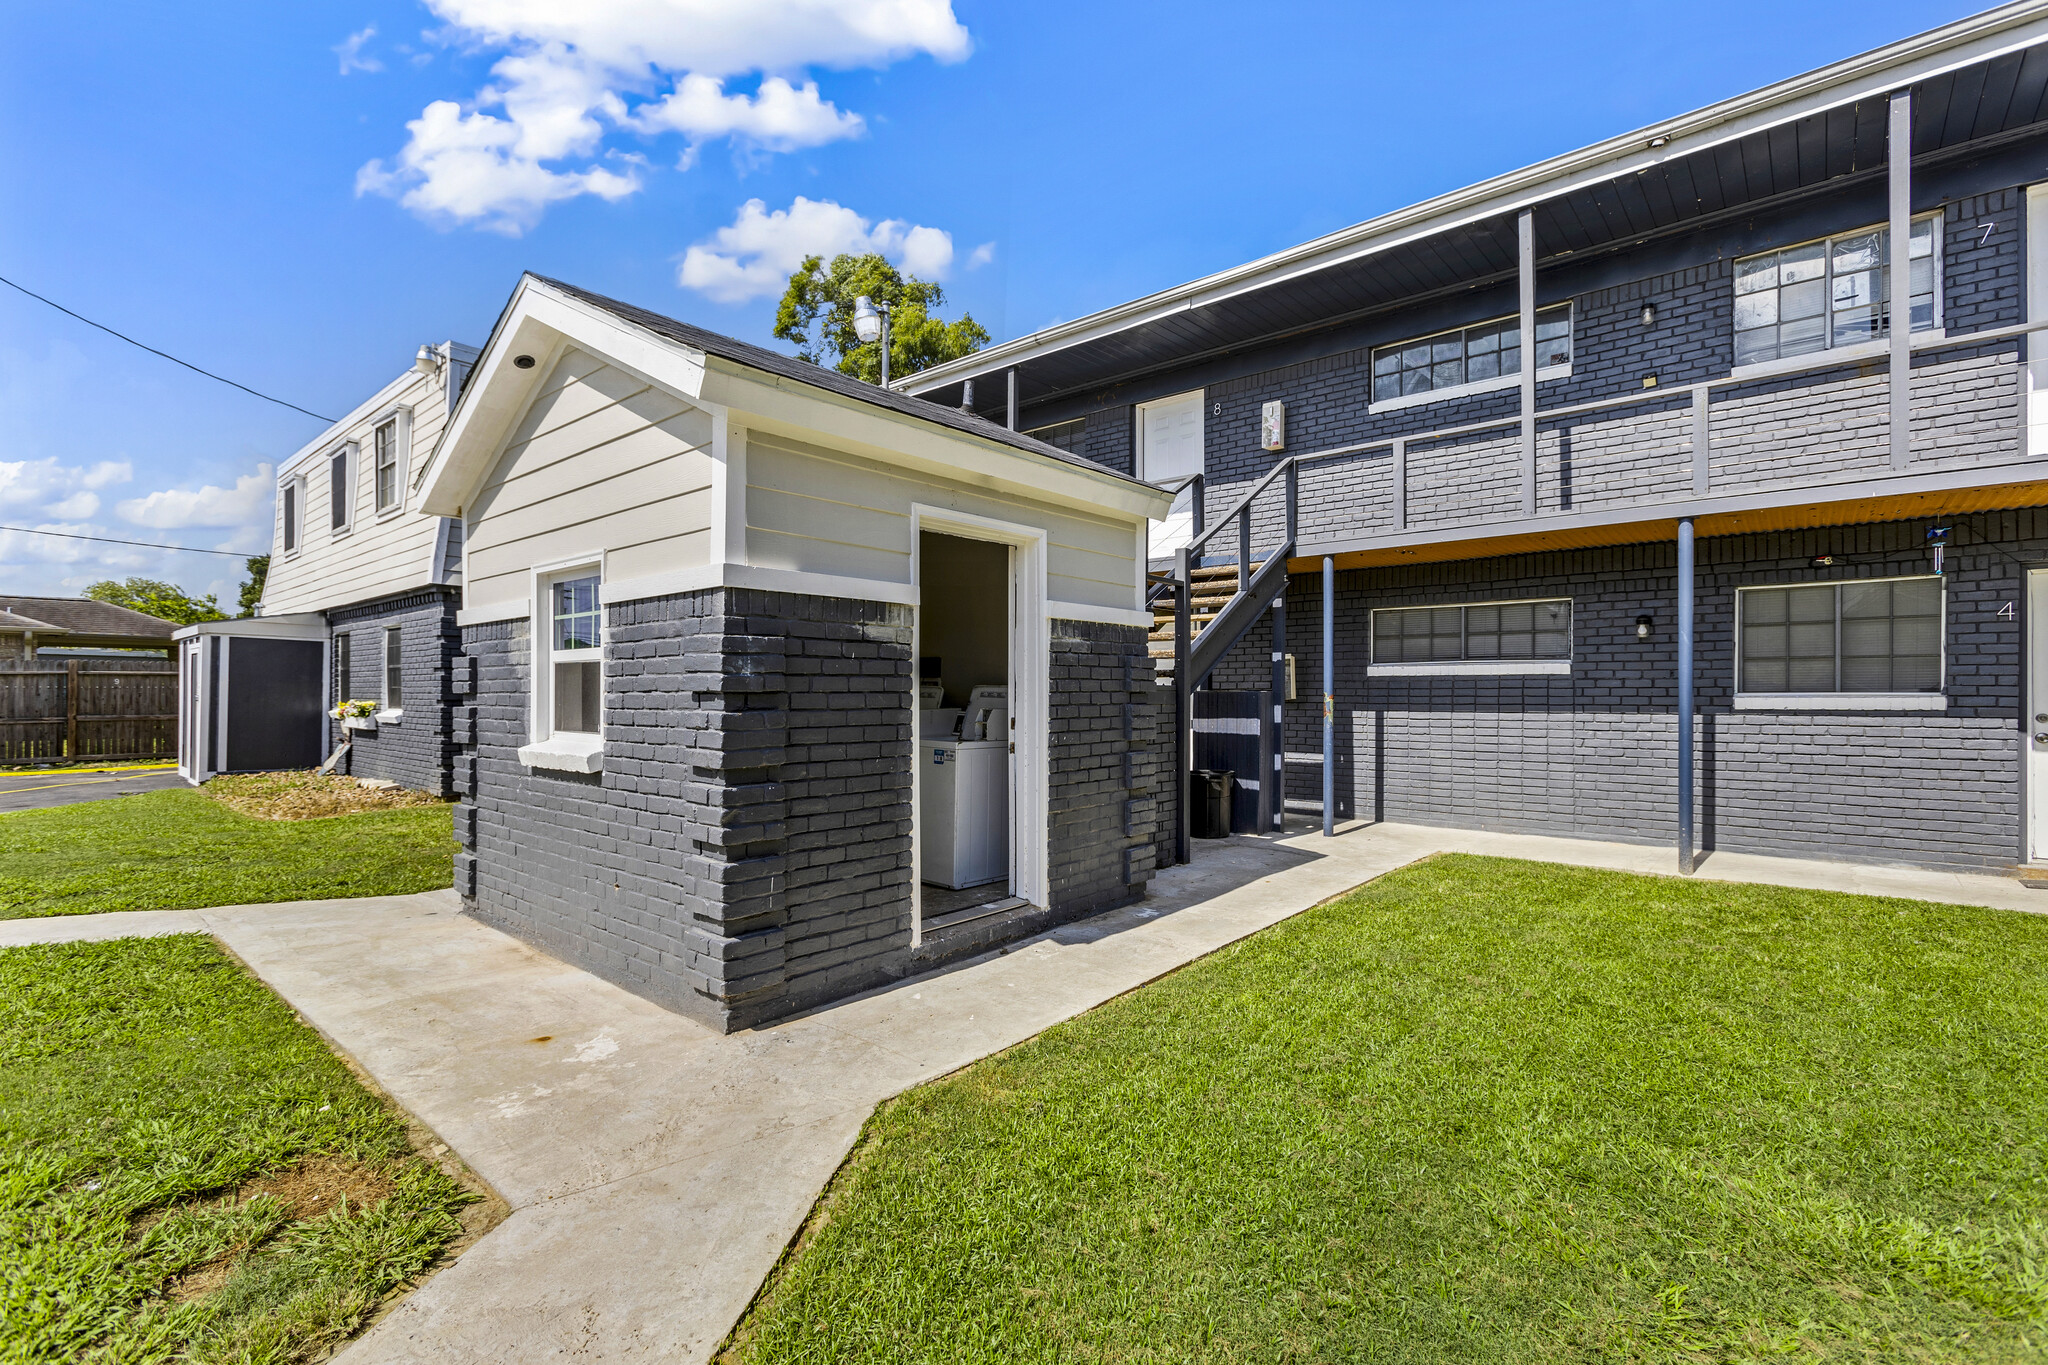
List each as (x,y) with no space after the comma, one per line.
(192,702)
(2034,697)
(1030,681)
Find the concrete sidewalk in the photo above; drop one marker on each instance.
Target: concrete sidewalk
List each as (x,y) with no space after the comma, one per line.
(656,1170)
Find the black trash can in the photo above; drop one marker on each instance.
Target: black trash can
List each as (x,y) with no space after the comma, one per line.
(1209,808)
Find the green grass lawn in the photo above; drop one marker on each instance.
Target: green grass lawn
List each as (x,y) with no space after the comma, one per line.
(175,850)
(177,1156)
(1479,1111)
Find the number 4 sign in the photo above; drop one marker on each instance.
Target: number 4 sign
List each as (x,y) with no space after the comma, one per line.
(2009,611)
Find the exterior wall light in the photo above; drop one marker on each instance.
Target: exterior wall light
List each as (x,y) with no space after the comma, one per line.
(1643,627)
(1649,314)
(870,324)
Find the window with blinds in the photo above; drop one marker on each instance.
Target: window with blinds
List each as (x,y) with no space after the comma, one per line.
(1876,636)
(1478,631)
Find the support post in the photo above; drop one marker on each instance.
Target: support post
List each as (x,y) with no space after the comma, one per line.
(1400,484)
(71,709)
(1278,776)
(1685,702)
(1899,271)
(1702,442)
(1525,277)
(1329,696)
(1183,603)
(1013,400)
(967,397)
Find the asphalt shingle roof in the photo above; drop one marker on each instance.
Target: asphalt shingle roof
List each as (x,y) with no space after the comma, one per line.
(804,372)
(83,616)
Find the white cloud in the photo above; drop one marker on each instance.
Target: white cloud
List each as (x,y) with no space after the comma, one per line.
(350,50)
(981,255)
(569,71)
(80,504)
(46,487)
(752,257)
(246,504)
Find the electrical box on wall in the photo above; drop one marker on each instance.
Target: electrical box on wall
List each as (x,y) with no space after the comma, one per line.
(1273,426)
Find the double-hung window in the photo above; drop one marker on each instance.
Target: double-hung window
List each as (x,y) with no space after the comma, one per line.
(337,490)
(576,656)
(394,671)
(384,443)
(1835,292)
(1470,359)
(1875,641)
(1479,637)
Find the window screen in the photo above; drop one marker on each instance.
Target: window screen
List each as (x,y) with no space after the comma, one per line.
(394,695)
(1470,355)
(577,640)
(337,489)
(1843,637)
(1490,630)
(1828,293)
(386,444)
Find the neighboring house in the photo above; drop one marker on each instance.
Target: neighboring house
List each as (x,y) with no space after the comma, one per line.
(735,631)
(377,584)
(1742,549)
(30,624)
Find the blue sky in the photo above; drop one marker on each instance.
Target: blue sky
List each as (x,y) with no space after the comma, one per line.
(298,196)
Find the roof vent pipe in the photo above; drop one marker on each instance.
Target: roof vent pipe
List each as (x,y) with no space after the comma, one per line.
(967,397)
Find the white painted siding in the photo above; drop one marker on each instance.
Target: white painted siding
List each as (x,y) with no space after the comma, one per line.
(600,463)
(819,511)
(377,556)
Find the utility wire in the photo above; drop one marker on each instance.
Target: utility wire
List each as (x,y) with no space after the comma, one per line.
(166,355)
(146,544)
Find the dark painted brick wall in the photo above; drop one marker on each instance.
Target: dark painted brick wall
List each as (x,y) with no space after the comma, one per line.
(1593,754)
(415,751)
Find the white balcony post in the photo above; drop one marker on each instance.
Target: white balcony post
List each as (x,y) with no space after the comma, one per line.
(1899,273)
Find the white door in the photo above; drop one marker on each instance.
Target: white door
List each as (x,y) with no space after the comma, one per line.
(2037,715)
(1170,448)
(190,698)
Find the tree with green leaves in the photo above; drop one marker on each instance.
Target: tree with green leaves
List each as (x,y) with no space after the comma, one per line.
(154,597)
(817,314)
(252,588)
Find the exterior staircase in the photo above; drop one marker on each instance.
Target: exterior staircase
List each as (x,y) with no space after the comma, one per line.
(1213,589)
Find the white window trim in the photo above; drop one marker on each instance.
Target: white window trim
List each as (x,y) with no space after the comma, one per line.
(1544,374)
(387,714)
(1862,350)
(571,751)
(297,484)
(402,439)
(1842,701)
(350,478)
(1451,668)
(1456,391)
(1471,667)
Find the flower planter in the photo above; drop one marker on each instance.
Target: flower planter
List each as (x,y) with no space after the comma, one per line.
(359,723)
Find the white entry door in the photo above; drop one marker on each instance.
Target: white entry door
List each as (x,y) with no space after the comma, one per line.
(2037,715)
(1170,448)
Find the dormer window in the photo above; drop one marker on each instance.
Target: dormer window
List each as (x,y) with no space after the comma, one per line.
(338,491)
(385,445)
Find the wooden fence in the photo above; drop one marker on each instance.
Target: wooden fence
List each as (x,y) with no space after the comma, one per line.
(88,713)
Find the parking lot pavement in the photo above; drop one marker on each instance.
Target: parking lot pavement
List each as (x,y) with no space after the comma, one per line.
(34,791)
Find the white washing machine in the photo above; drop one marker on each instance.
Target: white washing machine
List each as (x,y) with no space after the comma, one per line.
(963,811)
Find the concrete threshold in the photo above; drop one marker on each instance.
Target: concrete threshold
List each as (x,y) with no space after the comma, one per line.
(656,1170)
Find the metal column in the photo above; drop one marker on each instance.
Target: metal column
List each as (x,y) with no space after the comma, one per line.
(1183,708)
(1278,776)
(1685,706)
(1899,269)
(1525,277)
(1329,696)
(1013,400)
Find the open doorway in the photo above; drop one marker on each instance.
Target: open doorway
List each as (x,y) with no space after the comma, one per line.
(966,750)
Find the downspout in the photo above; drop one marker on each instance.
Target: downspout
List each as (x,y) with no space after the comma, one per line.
(1329,696)
(1685,698)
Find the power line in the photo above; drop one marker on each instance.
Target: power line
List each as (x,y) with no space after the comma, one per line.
(145,544)
(165,354)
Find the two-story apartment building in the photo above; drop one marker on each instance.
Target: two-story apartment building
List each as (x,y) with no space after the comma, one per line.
(383,579)
(1689,487)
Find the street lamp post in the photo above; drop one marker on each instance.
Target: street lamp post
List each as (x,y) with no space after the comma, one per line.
(871,323)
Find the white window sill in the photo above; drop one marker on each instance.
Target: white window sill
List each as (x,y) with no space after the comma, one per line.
(1456,391)
(1471,668)
(1838,355)
(568,753)
(1841,701)
(390,717)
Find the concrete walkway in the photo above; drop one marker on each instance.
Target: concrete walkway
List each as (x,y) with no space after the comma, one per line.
(656,1170)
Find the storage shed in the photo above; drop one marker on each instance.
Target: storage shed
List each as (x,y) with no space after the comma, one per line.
(252,695)
(724,612)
